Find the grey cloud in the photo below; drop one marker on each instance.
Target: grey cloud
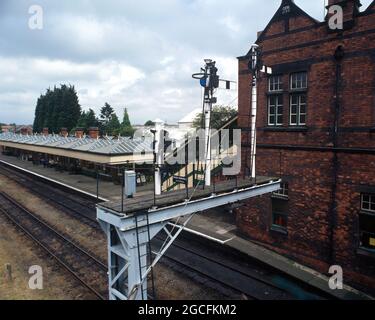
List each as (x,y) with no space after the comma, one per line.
(138,54)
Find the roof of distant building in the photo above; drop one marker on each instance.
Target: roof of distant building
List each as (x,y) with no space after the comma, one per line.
(105,146)
(189,118)
(20,127)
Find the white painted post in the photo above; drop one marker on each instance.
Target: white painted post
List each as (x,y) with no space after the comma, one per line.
(253,127)
(207,115)
(255,69)
(159,150)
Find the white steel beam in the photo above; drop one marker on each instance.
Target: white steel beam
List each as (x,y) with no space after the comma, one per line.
(126,223)
(128,237)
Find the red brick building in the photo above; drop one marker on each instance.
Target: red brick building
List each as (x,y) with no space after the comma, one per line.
(315,129)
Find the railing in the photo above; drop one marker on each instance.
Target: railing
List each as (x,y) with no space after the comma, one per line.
(195,172)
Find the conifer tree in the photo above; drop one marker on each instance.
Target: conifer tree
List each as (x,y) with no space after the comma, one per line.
(57,108)
(114,126)
(126,128)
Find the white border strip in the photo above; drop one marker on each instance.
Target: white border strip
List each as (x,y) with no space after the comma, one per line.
(54,181)
(206,236)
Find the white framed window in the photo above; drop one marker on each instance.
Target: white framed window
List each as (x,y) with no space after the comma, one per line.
(298,81)
(367,231)
(298,105)
(275,110)
(279,215)
(367,222)
(368,202)
(275,83)
(284,191)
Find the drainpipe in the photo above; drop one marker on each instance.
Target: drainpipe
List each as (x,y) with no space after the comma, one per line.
(338,56)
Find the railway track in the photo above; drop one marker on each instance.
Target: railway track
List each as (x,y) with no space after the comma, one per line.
(217,271)
(225,277)
(73,205)
(88,270)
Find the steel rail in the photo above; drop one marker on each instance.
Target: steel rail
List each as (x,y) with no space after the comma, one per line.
(226,284)
(48,250)
(175,260)
(208,276)
(231,268)
(52,196)
(57,188)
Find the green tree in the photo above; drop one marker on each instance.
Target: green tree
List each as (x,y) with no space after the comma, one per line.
(92,120)
(126,121)
(57,108)
(113,126)
(68,108)
(82,121)
(87,119)
(38,119)
(127,129)
(106,113)
(220,115)
(150,123)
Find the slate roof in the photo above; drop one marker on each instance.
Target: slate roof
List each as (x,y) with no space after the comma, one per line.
(105,146)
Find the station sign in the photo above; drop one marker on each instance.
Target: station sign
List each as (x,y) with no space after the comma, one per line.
(180,180)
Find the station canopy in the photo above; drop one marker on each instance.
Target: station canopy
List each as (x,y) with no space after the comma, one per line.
(105,150)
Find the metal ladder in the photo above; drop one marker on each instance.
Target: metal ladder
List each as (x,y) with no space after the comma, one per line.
(147,256)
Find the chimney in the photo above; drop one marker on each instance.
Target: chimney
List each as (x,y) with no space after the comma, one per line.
(94,132)
(350,10)
(45,132)
(64,132)
(24,131)
(79,133)
(286,2)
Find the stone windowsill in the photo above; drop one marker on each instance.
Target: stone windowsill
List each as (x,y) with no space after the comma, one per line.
(279,196)
(285,129)
(279,230)
(366,252)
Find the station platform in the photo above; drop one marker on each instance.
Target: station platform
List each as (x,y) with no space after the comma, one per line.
(213,225)
(219,226)
(107,190)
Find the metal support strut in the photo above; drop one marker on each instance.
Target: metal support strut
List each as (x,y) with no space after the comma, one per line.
(130,260)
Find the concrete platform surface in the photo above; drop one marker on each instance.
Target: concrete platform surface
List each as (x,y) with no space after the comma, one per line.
(218,226)
(107,190)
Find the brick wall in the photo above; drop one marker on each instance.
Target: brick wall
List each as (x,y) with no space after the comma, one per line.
(325,176)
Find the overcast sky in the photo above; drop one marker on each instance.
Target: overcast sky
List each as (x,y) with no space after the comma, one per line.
(135,54)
